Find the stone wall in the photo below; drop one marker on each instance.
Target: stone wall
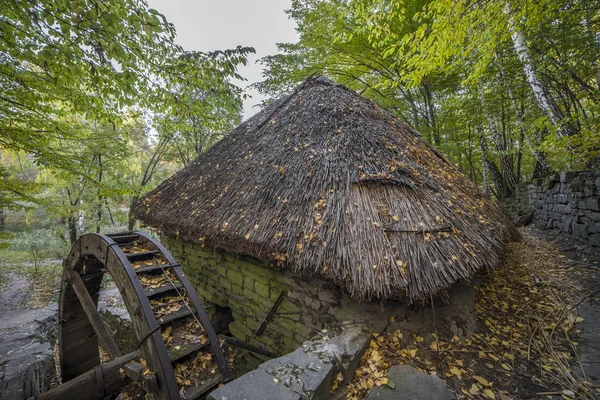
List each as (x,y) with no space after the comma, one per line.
(249,288)
(568,202)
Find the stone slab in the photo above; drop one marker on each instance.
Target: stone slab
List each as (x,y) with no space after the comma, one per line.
(307,373)
(26,362)
(255,385)
(410,383)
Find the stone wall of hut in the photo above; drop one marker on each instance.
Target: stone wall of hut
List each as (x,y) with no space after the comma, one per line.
(250,288)
(568,202)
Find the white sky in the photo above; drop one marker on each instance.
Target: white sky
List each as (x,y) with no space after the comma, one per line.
(220,24)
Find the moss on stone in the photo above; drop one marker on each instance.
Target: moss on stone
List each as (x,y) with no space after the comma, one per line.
(237,278)
(261,289)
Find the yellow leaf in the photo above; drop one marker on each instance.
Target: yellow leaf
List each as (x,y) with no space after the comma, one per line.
(375,356)
(456,371)
(384,381)
(481,380)
(506,366)
(489,393)
(395,218)
(474,389)
(419,339)
(413,352)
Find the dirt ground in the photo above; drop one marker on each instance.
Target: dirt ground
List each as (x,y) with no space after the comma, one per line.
(515,334)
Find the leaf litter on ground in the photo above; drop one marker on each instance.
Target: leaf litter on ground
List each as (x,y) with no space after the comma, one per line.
(525,344)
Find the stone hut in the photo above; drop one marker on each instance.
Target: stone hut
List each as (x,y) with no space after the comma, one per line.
(329,199)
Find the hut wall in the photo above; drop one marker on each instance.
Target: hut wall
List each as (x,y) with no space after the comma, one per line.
(250,288)
(568,202)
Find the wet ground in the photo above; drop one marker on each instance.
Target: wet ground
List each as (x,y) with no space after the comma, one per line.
(12,296)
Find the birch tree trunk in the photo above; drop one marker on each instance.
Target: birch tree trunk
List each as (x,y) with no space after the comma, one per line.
(486,180)
(489,166)
(541,93)
(509,180)
(541,169)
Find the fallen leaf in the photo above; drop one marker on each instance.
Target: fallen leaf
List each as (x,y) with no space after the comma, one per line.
(481,380)
(456,371)
(474,389)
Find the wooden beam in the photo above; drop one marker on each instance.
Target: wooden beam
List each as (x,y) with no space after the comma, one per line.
(85,386)
(106,340)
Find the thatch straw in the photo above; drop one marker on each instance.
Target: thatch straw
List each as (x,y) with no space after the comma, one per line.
(328,184)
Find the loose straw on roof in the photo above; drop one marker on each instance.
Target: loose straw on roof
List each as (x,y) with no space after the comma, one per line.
(328,184)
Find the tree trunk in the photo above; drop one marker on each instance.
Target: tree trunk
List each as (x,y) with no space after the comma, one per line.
(509,181)
(541,93)
(72,223)
(100,197)
(132,219)
(490,166)
(542,169)
(486,179)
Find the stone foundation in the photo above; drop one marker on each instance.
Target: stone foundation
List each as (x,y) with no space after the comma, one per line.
(568,202)
(250,288)
(307,373)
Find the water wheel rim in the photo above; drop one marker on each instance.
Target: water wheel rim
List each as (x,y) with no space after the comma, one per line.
(107,253)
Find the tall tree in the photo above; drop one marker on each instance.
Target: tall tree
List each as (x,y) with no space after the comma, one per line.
(424,59)
(93,59)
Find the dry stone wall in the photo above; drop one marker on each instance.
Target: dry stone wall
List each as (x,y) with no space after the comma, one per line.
(568,202)
(249,288)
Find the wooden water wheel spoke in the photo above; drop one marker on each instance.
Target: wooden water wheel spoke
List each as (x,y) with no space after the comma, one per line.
(171,326)
(90,310)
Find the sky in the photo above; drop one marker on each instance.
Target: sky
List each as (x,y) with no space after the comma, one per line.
(207,25)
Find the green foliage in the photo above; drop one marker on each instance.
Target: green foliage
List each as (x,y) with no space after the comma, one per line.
(71,70)
(34,247)
(98,105)
(457,72)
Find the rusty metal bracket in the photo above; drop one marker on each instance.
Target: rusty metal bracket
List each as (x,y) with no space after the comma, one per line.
(263,326)
(246,346)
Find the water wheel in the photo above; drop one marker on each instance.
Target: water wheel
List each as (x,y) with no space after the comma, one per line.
(172,329)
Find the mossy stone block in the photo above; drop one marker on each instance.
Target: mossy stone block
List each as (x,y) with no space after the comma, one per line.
(261,289)
(221,269)
(275,326)
(288,306)
(236,277)
(241,328)
(224,284)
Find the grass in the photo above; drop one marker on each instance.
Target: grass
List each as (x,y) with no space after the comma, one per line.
(31,254)
(11,256)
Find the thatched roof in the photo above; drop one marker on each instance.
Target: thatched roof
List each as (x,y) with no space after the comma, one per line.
(328,184)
